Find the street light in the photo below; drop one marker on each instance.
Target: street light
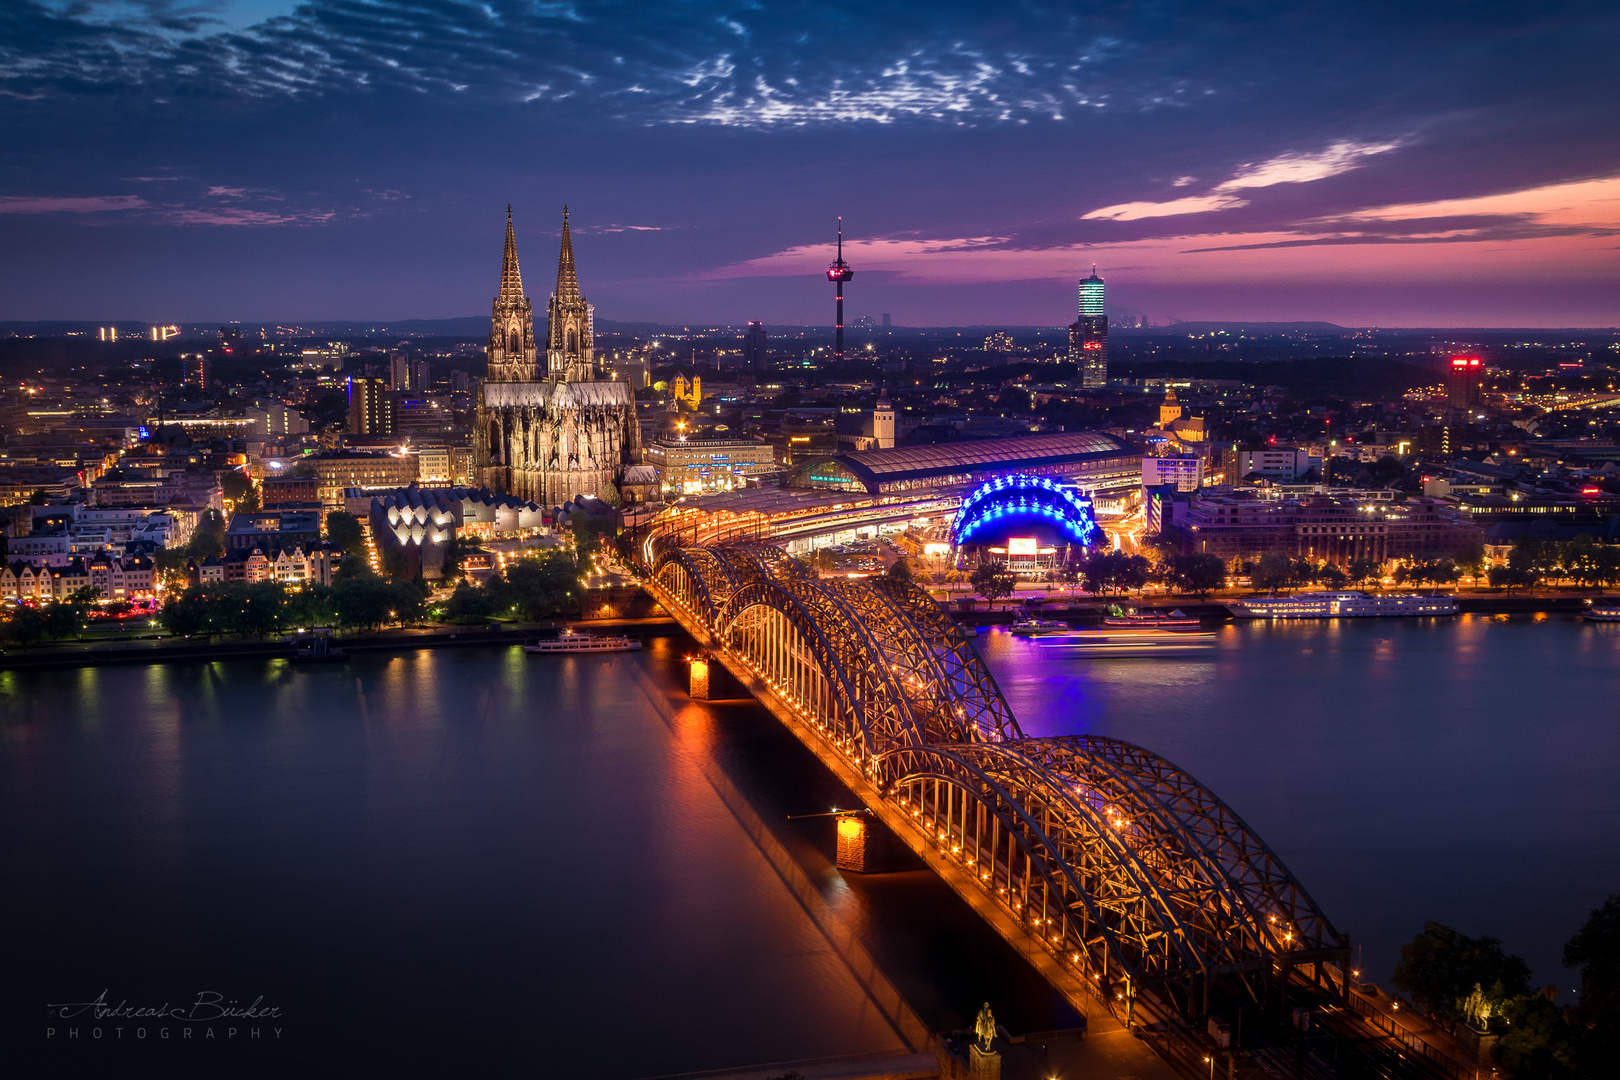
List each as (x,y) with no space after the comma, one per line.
(1210,1061)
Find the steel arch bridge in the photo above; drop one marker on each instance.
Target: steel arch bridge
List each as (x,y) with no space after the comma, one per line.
(1139,884)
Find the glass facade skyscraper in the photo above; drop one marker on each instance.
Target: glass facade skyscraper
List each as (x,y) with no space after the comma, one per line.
(1088,336)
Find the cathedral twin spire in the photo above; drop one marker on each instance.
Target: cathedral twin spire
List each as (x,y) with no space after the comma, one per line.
(569,352)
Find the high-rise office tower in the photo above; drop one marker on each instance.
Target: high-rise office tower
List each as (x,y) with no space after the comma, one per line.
(1463,381)
(754,352)
(371,412)
(1088,336)
(196,371)
(405,373)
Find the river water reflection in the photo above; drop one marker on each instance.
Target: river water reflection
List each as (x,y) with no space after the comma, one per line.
(469,862)
(1465,770)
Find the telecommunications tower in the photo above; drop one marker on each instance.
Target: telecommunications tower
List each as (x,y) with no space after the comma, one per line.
(840,272)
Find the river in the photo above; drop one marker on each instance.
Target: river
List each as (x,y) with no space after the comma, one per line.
(471,862)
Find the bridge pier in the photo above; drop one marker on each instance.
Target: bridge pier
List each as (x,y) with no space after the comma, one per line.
(708,680)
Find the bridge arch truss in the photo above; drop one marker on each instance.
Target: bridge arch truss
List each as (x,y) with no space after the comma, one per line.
(1135,877)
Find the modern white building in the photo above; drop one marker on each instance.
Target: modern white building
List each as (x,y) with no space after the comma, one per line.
(1185,471)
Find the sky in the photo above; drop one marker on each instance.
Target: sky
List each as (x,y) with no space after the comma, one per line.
(1439,163)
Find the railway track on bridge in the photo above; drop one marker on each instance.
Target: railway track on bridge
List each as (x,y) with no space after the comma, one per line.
(1130,887)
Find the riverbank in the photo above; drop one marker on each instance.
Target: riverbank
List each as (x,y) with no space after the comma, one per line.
(1090,612)
(170,650)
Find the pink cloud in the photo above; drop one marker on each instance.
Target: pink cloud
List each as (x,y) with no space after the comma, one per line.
(57,204)
(251,218)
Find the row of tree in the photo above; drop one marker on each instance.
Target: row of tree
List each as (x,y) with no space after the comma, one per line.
(27,625)
(1581,562)
(545,586)
(359,600)
(1458,979)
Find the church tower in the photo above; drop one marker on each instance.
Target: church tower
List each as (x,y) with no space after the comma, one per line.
(549,433)
(570,352)
(512,353)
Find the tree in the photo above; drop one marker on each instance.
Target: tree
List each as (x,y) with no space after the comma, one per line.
(469,603)
(1362,570)
(256,610)
(64,619)
(343,531)
(366,601)
(237,486)
(1534,1041)
(1509,578)
(395,566)
(1470,559)
(189,614)
(1332,577)
(1272,571)
(900,571)
(543,587)
(1440,967)
(25,626)
(993,581)
(1595,951)
(1197,574)
(310,606)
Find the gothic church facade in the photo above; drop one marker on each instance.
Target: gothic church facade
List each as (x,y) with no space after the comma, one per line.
(548,433)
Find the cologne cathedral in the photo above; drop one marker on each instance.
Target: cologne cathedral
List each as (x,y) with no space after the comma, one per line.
(548,429)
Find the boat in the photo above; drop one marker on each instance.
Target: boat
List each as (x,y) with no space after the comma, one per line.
(1342,605)
(572,641)
(1601,614)
(1033,627)
(317,650)
(1132,644)
(1132,619)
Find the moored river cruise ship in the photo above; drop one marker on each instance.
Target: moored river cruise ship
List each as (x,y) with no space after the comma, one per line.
(1341,605)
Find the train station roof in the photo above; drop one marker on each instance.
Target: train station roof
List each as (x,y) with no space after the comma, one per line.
(944,463)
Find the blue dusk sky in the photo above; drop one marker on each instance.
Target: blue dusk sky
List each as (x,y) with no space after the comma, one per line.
(1396,164)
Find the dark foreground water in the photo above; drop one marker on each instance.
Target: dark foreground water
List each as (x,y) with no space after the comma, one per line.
(470,862)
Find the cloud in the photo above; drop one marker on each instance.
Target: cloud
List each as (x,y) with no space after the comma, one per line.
(1192,204)
(1290,168)
(55,204)
(1589,203)
(1341,157)
(1578,208)
(240,216)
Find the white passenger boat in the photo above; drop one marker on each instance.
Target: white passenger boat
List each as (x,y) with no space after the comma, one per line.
(1604,613)
(1032,627)
(570,641)
(1342,605)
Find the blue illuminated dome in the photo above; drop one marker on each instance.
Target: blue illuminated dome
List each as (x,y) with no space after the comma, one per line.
(1008,503)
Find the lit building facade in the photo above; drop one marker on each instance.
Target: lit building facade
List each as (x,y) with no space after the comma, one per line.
(1463,382)
(370,410)
(707,466)
(1323,528)
(1088,336)
(548,435)
(1184,471)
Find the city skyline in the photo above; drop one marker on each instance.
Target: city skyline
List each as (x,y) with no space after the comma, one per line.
(1355,164)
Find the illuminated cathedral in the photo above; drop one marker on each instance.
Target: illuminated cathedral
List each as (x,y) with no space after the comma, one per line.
(549,433)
